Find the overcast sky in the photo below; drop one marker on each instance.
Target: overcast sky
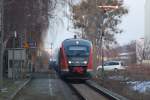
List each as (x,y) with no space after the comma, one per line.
(133,22)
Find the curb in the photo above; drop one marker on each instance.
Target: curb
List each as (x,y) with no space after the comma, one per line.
(17,91)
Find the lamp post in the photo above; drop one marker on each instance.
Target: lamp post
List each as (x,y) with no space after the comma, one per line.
(105,8)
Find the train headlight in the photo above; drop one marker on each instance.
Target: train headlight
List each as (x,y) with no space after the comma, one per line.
(69,62)
(85,62)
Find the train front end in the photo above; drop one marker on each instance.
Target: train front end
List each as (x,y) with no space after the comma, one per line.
(76,59)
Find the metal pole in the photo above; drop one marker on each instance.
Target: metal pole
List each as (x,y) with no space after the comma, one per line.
(82,33)
(13,57)
(52,51)
(13,54)
(83,17)
(102,52)
(1,44)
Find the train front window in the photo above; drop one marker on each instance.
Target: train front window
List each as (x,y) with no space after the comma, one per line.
(77,51)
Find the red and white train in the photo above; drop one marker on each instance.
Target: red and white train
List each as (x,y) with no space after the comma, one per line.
(75,59)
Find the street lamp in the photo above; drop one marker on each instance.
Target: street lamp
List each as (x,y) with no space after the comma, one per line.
(109,7)
(105,8)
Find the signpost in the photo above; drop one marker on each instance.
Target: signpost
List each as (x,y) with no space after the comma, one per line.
(32,44)
(25,45)
(29,45)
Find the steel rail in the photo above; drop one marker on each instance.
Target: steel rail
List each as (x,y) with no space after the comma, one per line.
(76,91)
(104,92)
(98,89)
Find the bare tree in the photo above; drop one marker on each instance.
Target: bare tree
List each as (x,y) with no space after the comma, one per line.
(96,22)
(29,17)
(140,51)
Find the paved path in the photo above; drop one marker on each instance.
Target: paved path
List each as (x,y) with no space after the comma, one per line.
(46,88)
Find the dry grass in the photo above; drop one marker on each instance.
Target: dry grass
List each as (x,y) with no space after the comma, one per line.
(132,73)
(138,72)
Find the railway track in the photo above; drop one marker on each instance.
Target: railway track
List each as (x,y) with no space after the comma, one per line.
(49,88)
(91,91)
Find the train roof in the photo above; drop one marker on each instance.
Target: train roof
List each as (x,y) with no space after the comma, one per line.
(73,41)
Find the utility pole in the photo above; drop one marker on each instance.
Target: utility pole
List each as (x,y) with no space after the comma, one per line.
(1,44)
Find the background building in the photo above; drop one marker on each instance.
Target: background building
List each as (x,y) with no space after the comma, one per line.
(147,28)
